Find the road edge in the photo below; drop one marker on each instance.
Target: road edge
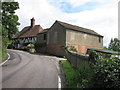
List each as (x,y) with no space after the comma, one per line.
(6,60)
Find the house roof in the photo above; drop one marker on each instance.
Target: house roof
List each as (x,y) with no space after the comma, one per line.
(103,51)
(29,31)
(77,28)
(44,31)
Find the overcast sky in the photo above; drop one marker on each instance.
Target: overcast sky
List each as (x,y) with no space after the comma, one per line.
(98,15)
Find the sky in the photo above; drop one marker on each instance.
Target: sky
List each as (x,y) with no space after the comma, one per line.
(98,15)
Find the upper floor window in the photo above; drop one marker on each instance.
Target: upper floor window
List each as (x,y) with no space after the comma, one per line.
(45,36)
(99,39)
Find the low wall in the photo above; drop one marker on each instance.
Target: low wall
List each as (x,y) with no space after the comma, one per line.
(75,59)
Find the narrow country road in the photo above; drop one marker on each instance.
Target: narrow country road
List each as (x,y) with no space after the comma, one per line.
(25,70)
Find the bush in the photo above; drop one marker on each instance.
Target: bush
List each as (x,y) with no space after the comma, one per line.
(93,56)
(31,45)
(107,73)
(64,47)
(71,48)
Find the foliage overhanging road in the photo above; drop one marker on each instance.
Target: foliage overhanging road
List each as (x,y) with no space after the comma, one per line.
(25,70)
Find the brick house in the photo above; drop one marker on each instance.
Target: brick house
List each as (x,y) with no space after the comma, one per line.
(27,35)
(64,34)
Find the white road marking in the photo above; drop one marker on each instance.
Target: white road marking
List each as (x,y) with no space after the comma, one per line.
(59,82)
(6,60)
(59,79)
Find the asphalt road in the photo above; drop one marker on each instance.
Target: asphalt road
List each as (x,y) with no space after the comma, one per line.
(25,70)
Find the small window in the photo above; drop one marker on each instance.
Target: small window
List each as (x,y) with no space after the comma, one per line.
(45,36)
(99,40)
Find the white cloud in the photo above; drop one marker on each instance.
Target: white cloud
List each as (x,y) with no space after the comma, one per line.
(76,3)
(102,20)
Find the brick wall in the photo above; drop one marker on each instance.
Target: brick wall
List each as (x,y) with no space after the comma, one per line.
(42,50)
(82,49)
(56,49)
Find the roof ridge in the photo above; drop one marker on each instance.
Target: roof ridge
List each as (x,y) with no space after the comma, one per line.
(75,27)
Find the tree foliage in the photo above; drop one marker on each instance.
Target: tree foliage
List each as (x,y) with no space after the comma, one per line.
(114,44)
(9,19)
(106,72)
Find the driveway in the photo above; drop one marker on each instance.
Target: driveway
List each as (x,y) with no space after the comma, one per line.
(25,70)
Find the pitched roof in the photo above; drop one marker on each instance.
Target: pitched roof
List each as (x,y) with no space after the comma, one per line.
(77,28)
(29,31)
(45,30)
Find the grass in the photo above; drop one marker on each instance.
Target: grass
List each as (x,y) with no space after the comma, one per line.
(77,78)
(3,52)
(70,74)
(3,55)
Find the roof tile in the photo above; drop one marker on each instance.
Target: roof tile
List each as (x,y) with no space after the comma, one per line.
(29,31)
(77,28)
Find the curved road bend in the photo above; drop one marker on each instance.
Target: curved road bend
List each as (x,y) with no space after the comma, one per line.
(25,70)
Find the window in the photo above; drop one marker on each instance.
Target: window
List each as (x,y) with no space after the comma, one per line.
(45,36)
(99,40)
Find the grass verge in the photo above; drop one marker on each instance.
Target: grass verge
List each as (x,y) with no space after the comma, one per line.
(77,78)
(70,74)
(3,52)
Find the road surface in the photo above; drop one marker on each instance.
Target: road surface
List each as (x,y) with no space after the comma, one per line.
(25,70)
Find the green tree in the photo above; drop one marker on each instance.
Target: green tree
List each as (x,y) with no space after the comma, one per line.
(114,44)
(9,19)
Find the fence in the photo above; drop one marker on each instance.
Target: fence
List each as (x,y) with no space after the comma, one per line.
(75,59)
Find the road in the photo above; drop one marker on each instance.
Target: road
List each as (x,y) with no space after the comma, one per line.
(25,70)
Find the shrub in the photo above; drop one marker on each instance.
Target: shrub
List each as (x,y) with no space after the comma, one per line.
(71,48)
(93,56)
(31,45)
(107,73)
(64,47)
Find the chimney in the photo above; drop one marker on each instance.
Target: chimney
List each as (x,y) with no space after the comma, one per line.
(32,22)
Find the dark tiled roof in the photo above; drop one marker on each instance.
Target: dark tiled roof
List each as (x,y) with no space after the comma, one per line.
(29,31)
(45,30)
(77,28)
